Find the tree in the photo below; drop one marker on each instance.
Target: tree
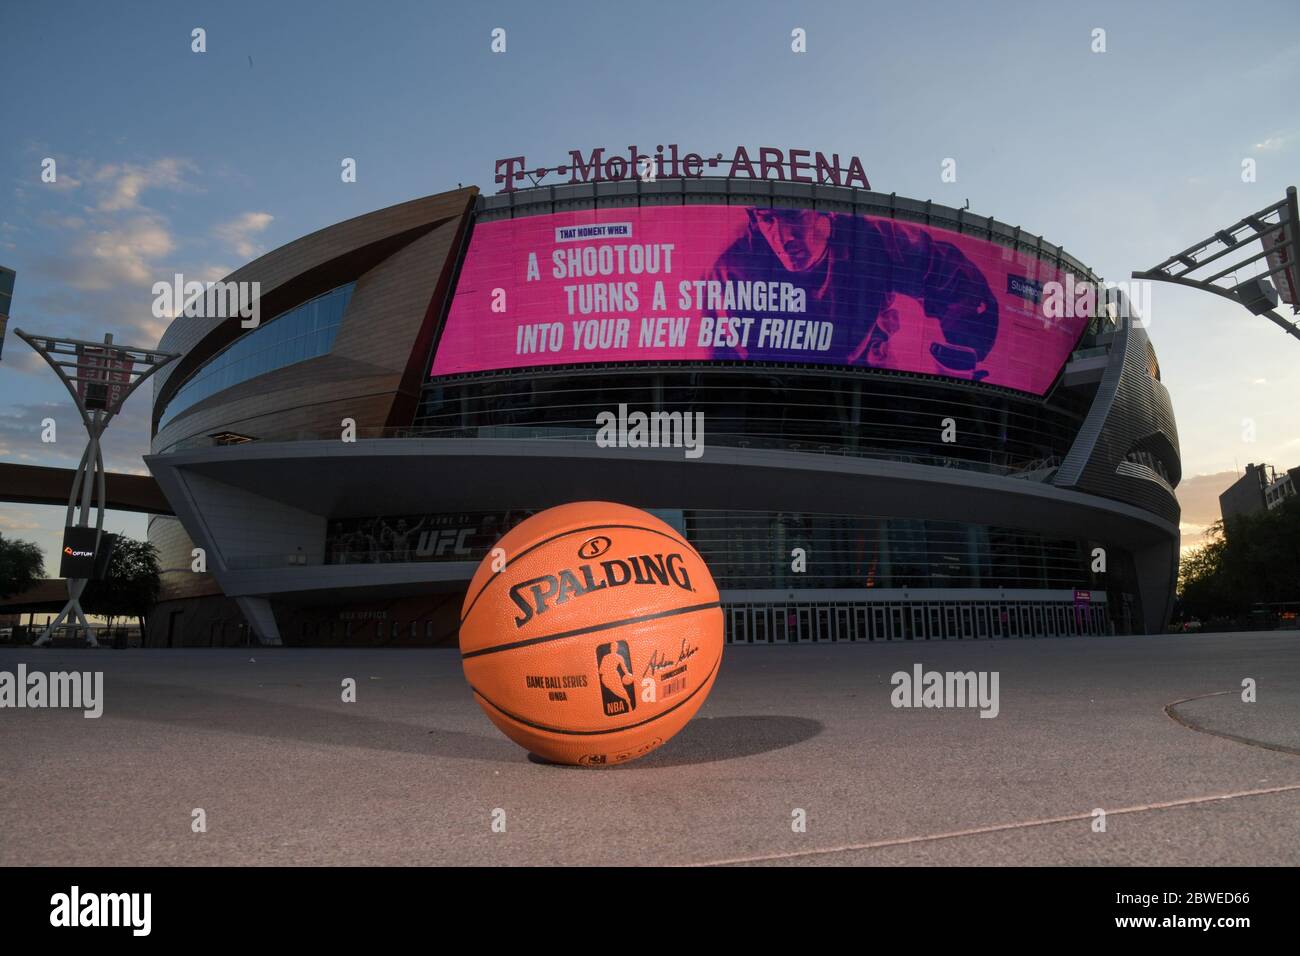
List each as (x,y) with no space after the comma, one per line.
(1255,561)
(21,566)
(1271,560)
(1201,577)
(131,583)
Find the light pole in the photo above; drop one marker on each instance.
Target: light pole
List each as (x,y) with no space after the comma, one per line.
(99,376)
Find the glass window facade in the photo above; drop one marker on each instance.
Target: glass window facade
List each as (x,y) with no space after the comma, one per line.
(843,412)
(754,550)
(748,550)
(301,333)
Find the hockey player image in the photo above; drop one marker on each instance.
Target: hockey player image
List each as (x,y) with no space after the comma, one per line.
(850,268)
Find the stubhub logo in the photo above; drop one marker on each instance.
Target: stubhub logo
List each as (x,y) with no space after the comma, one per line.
(1025,287)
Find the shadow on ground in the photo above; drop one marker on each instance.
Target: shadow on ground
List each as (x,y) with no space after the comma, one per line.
(703,740)
(714,739)
(223,713)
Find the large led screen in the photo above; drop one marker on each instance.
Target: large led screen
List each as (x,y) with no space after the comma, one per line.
(731,283)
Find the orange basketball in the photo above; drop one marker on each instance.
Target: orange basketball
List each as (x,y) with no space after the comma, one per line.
(592,635)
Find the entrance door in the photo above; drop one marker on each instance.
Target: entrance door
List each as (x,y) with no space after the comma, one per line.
(896,626)
(739,632)
(823,617)
(782,626)
(804,623)
(878,632)
(171,627)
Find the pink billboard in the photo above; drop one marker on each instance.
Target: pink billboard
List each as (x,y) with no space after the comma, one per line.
(732,283)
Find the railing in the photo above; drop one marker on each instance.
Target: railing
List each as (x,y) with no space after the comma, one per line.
(1036,469)
(106,636)
(261,562)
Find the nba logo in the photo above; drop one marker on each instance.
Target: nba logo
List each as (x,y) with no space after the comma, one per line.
(614,666)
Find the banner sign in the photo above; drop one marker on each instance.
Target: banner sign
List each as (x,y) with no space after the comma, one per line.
(102,377)
(78,560)
(1279,257)
(399,539)
(7,277)
(735,283)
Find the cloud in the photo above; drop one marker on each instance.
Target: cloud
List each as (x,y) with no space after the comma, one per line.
(214,273)
(55,221)
(21,358)
(1199,498)
(238,233)
(103,282)
(1272,143)
(105,257)
(18,522)
(21,428)
(63,182)
(122,184)
(122,253)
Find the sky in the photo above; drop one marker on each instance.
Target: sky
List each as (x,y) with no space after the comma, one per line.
(174,161)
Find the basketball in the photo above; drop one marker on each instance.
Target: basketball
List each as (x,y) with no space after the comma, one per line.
(591,633)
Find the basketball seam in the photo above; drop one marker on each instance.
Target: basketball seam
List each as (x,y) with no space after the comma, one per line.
(555,537)
(597,733)
(590,629)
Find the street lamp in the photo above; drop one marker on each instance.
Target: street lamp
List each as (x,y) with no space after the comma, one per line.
(99,376)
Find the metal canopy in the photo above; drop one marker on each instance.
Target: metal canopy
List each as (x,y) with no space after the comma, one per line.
(1213,264)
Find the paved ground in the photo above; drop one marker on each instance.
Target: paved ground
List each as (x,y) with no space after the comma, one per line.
(412,772)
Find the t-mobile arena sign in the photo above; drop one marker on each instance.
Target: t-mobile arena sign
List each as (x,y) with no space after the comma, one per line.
(795,166)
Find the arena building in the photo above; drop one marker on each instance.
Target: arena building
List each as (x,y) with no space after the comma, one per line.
(899,436)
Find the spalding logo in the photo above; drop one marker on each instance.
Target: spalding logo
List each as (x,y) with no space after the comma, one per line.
(537,595)
(594,547)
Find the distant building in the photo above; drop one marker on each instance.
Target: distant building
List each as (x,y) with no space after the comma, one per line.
(1255,492)
(1282,487)
(1245,496)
